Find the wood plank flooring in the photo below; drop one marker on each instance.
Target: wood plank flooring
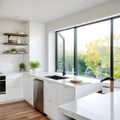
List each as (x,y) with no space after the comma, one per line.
(20,111)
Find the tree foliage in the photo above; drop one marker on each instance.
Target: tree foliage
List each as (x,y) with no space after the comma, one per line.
(97,55)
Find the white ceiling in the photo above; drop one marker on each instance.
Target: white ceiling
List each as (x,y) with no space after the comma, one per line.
(43,10)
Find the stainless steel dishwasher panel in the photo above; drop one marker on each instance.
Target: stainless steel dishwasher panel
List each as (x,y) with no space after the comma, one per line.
(38,95)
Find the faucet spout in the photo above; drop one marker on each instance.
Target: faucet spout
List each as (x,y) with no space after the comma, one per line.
(64,73)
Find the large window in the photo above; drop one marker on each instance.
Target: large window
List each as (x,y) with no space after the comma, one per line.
(116,42)
(88,49)
(93,50)
(65,50)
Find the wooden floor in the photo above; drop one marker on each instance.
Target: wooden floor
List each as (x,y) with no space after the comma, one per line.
(20,111)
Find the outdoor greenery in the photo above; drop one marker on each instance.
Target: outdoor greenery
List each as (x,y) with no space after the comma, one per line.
(96,57)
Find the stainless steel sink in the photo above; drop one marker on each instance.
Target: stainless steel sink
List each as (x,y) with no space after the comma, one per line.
(56,77)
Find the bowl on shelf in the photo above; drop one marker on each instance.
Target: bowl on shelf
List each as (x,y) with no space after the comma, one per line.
(11,41)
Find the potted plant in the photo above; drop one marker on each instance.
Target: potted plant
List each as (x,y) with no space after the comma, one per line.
(22,67)
(34,65)
(13,50)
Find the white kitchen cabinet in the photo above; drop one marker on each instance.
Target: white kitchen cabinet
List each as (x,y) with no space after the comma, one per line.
(51,101)
(56,94)
(51,91)
(14,93)
(2,98)
(69,93)
(65,94)
(28,88)
(51,109)
(14,87)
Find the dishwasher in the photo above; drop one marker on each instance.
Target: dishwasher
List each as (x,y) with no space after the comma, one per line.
(38,95)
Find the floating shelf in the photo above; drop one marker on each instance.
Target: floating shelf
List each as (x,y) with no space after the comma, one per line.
(15,44)
(14,53)
(15,34)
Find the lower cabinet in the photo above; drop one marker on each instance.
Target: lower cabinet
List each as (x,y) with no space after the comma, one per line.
(14,88)
(28,88)
(2,98)
(51,109)
(65,94)
(50,99)
(54,95)
(15,93)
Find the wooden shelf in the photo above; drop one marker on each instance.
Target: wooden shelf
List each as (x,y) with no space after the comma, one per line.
(15,34)
(15,44)
(14,53)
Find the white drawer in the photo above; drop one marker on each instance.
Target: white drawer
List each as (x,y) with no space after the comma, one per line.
(65,94)
(50,109)
(14,93)
(2,97)
(14,75)
(14,83)
(50,91)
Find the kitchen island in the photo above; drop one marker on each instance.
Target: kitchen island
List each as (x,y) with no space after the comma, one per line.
(58,92)
(94,107)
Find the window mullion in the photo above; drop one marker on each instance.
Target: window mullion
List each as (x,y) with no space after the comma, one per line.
(75,50)
(56,53)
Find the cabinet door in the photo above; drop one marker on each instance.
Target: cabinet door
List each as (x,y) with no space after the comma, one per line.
(14,93)
(51,91)
(50,99)
(65,94)
(14,86)
(28,88)
(2,98)
(14,83)
(50,109)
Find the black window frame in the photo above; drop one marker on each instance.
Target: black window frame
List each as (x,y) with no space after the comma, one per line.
(75,44)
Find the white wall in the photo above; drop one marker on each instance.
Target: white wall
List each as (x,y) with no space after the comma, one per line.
(37,44)
(106,10)
(36,48)
(51,52)
(99,12)
(9,62)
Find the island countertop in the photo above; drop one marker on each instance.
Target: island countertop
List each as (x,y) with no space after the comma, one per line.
(94,107)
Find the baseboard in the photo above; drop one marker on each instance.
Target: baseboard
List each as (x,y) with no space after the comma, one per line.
(12,101)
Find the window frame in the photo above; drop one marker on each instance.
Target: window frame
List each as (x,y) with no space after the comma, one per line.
(111,19)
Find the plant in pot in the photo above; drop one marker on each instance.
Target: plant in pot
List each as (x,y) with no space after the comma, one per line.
(22,67)
(13,50)
(34,65)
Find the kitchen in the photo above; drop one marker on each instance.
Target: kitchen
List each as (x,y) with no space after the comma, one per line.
(40,41)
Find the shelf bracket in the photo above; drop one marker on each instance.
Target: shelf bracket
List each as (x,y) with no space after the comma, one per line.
(8,38)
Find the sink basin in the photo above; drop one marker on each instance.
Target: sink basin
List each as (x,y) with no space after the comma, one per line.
(56,77)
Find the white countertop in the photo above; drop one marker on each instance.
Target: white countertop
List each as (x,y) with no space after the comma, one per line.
(41,75)
(86,81)
(94,107)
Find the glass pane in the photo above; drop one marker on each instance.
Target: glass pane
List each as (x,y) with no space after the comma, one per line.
(93,50)
(66,47)
(60,53)
(117,48)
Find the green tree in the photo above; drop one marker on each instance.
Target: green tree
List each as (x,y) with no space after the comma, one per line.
(81,65)
(98,55)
